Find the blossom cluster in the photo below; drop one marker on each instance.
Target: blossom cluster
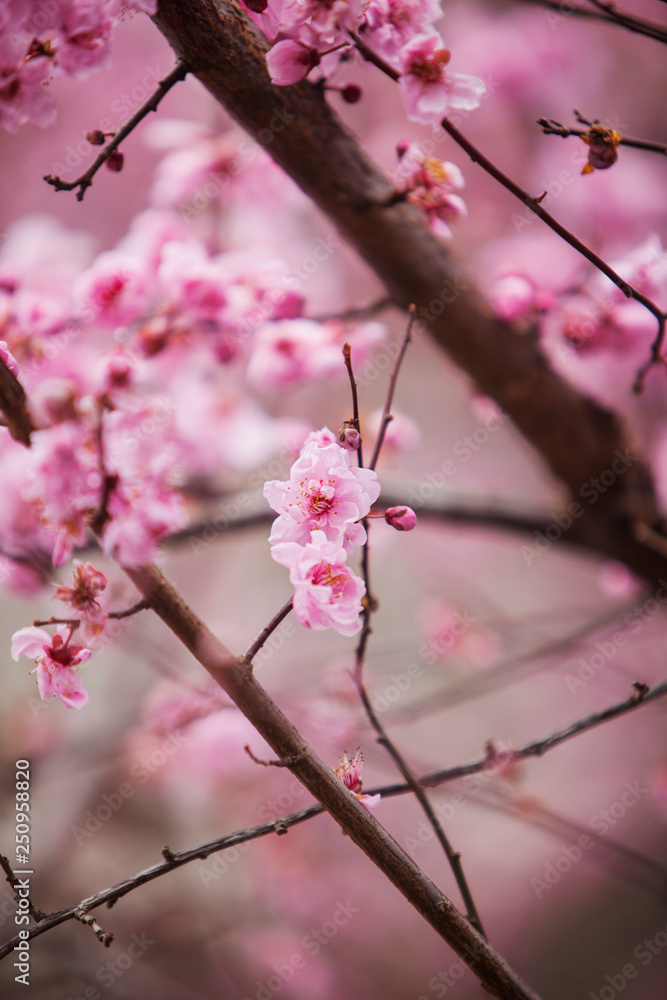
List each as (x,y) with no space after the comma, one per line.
(309,35)
(41,40)
(319,510)
(431,185)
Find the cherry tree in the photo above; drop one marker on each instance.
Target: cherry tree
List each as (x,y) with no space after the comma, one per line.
(332,380)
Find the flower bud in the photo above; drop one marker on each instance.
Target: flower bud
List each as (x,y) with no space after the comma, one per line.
(351,93)
(96,137)
(115,161)
(349,437)
(401,518)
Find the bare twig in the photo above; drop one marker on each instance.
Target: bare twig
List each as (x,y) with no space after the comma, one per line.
(15,883)
(433,779)
(178,73)
(551,127)
(255,647)
(605,13)
(386,416)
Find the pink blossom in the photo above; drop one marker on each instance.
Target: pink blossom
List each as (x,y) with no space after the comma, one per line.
(81,598)
(83,42)
(23,97)
(326,593)
(65,484)
(113,290)
(290,61)
(141,515)
(431,184)
(402,518)
(349,773)
(299,350)
(56,659)
(429,90)
(323,493)
(8,358)
(392,23)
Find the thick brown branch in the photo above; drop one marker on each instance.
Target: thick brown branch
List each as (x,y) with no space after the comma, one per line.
(577,438)
(237,679)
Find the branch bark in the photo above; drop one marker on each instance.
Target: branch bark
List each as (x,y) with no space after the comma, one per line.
(577,439)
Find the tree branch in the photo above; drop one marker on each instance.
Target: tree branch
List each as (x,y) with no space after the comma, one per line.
(178,73)
(173,860)
(226,52)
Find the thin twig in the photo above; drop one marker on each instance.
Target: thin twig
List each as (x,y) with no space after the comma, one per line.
(355,313)
(604,14)
(178,73)
(434,778)
(102,936)
(255,647)
(551,127)
(15,883)
(534,205)
(347,355)
(454,857)
(386,416)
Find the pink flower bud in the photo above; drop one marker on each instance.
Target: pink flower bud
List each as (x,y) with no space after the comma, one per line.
(96,137)
(114,161)
(351,93)
(349,437)
(401,518)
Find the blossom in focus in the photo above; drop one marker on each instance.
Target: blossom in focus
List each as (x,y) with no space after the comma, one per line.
(349,773)
(290,61)
(429,90)
(402,518)
(56,659)
(327,594)
(323,493)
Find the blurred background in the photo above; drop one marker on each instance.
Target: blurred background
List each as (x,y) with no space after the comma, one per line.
(478,637)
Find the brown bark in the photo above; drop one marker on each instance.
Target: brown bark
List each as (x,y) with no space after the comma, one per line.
(575,437)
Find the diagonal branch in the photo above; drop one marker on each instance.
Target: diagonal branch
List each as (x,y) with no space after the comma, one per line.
(172,860)
(226,52)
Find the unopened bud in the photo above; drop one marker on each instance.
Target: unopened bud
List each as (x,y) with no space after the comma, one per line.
(351,93)
(96,137)
(401,518)
(349,437)
(115,161)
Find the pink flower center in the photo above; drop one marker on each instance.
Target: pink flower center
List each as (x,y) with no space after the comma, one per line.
(61,652)
(325,575)
(431,70)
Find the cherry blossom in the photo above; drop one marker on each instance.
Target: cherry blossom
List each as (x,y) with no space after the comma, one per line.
(290,61)
(431,184)
(327,594)
(81,598)
(349,773)
(429,90)
(56,659)
(402,518)
(322,494)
